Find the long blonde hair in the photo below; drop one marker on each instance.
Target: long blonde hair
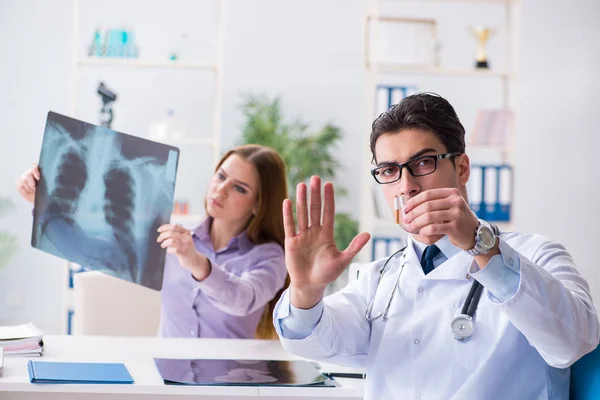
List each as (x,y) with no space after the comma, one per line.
(267,225)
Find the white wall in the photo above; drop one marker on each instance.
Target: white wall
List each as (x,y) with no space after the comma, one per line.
(557,180)
(34,77)
(308,52)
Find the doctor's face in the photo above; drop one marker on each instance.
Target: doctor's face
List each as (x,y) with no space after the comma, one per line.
(410,144)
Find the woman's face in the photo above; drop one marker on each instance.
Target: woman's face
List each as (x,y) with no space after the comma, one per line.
(233,190)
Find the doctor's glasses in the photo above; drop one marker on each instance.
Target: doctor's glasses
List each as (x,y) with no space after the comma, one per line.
(420,166)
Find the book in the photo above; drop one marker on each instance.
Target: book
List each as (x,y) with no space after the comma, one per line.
(241,373)
(78,372)
(20,332)
(21,340)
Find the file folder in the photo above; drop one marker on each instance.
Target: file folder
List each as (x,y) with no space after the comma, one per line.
(71,372)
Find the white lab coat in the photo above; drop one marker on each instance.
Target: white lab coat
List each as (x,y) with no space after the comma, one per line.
(520,349)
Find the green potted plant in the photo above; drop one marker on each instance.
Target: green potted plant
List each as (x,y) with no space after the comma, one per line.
(8,242)
(304,153)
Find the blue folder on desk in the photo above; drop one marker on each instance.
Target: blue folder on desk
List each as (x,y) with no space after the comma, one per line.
(70,372)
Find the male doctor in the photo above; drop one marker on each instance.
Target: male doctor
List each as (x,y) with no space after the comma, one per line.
(421,329)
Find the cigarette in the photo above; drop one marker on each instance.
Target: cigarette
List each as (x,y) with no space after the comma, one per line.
(398,207)
(402,204)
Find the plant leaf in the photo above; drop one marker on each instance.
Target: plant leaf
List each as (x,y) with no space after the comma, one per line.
(304,153)
(8,246)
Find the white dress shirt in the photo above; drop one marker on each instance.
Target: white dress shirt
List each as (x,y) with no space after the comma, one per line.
(534,320)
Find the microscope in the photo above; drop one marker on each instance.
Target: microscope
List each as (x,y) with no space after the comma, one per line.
(108,98)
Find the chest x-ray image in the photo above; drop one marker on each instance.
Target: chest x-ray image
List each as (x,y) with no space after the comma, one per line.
(101,197)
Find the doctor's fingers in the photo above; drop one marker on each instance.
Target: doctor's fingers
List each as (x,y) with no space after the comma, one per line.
(289,225)
(301,207)
(354,247)
(427,207)
(441,228)
(315,201)
(329,207)
(432,217)
(430,195)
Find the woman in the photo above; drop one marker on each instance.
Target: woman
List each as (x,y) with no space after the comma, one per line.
(223,278)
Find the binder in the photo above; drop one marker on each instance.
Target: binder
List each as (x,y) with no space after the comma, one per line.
(76,372)
(490,191)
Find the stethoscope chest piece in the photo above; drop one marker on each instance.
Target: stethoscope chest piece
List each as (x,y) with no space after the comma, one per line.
(462,327)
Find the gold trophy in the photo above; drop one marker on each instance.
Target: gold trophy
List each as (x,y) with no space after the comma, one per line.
(483,35)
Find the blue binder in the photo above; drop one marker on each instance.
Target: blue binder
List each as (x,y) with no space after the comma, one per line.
(70,372)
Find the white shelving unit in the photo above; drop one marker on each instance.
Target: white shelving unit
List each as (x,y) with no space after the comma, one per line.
(390,68)
(504,75)
(135,66)
(134,63)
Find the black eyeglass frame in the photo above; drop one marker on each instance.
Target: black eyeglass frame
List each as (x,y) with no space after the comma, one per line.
(406,165)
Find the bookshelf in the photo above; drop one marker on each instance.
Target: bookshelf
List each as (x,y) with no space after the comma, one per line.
(184,93)
(451,73)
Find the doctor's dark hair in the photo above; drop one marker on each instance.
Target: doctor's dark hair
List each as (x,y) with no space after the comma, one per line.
(426,111)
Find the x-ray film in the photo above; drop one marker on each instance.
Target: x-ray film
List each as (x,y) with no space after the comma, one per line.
(101,197)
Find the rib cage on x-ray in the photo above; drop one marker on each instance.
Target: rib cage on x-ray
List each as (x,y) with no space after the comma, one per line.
(68,187)
(102,197)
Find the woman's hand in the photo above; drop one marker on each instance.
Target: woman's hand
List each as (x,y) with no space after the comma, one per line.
(311,255)
(178,240)
(27,183)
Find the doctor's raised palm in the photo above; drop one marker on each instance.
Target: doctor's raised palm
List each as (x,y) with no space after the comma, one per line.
(311,255)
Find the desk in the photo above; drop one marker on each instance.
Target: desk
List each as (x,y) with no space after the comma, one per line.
(137,354)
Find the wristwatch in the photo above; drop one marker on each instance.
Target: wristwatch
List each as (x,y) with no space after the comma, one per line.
(485,239)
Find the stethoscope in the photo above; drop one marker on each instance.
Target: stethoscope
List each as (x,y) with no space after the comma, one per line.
(462,326)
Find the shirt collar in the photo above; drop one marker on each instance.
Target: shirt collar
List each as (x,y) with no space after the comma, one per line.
(241,241)
(456,265)
(202,230)
(446,247)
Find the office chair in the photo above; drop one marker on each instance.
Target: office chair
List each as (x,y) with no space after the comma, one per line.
(105,305)
(585,377)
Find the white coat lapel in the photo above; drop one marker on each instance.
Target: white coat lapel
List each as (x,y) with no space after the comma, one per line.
(455,267)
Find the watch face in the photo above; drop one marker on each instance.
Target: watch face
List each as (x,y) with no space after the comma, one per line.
(486,236)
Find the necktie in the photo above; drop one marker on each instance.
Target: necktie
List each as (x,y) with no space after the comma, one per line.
(427,259)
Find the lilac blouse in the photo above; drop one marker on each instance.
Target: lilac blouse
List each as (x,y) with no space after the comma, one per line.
(231,300)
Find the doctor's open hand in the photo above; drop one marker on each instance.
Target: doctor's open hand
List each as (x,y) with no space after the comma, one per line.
(27,183)
(442,212)
(178,240)
(311,255)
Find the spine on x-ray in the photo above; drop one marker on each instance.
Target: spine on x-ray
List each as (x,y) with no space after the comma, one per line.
(118,211)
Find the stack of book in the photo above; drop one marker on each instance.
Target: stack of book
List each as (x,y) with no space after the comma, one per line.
(21,340)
